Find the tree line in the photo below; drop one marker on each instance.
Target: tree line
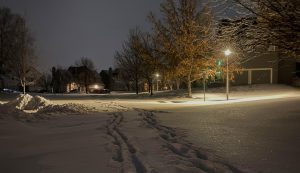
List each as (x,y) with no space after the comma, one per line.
(182,47)
(186,44)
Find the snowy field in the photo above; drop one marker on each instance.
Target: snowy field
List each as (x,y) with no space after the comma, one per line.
(167,132)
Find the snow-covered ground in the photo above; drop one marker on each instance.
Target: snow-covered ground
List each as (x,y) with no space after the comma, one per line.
(164,100)
(168,99)
(122,132)
(131,142)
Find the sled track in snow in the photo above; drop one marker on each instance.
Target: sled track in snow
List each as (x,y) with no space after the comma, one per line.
(186,151)
(124,152)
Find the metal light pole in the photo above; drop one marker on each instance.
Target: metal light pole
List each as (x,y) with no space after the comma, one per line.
(203,74)
(204,88)
(227,53)
(157,76)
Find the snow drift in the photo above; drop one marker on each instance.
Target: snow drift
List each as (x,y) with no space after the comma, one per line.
(37,103)
(20,102)
(26,104)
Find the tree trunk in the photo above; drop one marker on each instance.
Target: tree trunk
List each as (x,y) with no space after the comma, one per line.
(136,85)
(85,82)
(177,84)
(204,89)
(171,86)
(86,89)
(128,86)
(23,84)
(189,83)
(151,87)
(24,89)
(2,83)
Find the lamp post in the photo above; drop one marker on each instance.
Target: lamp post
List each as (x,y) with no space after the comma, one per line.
(204,87)
(227,53)
(203,74)
(157,76)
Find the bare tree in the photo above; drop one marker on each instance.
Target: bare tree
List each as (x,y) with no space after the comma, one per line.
(129,59)
(146,48)
(16,48)
(268,22)
(45,82)
(60,78)
(84,72)
(85,61)
(5,38)
(24,60)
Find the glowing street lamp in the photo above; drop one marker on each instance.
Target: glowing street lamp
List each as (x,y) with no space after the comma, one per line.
(227,53)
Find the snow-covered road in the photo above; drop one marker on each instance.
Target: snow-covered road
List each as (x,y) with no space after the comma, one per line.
(262,135)
(124,142)
(141,144)
(257,130)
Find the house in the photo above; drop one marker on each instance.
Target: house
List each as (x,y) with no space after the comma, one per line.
(75,79)
(84,80)
(260,64)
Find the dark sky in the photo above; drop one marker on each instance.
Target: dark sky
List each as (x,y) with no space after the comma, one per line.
(66,30)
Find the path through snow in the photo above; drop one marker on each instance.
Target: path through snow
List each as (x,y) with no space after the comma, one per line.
(140,144)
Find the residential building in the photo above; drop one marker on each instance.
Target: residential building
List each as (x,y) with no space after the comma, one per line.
(260,65)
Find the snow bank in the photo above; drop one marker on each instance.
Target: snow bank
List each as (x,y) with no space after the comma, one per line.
(69,108)
(27,102)
(20,102)
(28,106)
(37,103)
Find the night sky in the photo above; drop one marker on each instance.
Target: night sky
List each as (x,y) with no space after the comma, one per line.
(66,30)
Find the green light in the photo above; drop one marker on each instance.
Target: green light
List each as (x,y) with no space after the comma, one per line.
(219,62)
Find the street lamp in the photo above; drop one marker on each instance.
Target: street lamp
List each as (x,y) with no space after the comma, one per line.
(227,53)
(157,76)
